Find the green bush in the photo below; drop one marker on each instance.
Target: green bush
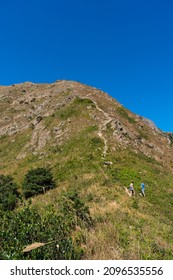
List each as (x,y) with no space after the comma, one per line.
(96,141)
(26,226)
(37,181)
(84,101)
(8,193)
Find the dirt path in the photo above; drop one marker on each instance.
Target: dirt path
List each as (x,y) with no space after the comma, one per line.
(102,127)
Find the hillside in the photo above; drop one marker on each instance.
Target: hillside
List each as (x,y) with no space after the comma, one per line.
(95,147)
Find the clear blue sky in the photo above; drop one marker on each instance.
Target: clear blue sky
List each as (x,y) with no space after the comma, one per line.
(124,47)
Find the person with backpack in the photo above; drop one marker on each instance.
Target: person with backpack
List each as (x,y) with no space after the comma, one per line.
(131,188)
(143,189)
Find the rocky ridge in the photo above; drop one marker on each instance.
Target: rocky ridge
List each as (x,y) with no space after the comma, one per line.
(32,109)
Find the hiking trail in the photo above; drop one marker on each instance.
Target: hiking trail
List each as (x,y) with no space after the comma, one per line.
(102,127)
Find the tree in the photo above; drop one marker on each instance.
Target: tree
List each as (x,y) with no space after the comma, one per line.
(8,193)
(37,181)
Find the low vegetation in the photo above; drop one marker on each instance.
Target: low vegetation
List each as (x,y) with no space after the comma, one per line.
(9,194)
(66,166)
(124,113)
(58,230)
(121,227)
(37,181)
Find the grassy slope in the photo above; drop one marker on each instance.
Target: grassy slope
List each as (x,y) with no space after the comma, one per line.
(125,228)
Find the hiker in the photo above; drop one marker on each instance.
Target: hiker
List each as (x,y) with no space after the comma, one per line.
(143,189)
(131,188)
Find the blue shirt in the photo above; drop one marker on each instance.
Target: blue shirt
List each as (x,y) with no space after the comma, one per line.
(142,186)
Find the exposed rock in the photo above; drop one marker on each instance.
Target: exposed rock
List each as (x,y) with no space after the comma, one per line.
(119,129)
(20,112)
(58,130)
(33,99)
(150,123)
(21,101)
(150,145)
(108,163)
(39,119)
(21,156)
(169,136)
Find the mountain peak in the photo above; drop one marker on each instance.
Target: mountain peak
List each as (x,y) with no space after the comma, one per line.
(29,108)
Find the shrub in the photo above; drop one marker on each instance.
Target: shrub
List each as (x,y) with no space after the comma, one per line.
(135,204)
(26,226)
(75,209)
(96,141)
(37,181)
(84,101)
(8,193)
(63,226)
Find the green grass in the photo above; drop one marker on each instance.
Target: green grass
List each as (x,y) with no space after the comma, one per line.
(142,133)
(124,113)
(81,154)
(124,227)
(10,147)
(73,110)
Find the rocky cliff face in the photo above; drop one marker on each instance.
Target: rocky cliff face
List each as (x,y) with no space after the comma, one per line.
(49,114)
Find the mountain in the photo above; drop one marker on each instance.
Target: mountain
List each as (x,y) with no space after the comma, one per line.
(96,146)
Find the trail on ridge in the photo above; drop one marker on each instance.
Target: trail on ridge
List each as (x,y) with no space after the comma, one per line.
(102,127)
